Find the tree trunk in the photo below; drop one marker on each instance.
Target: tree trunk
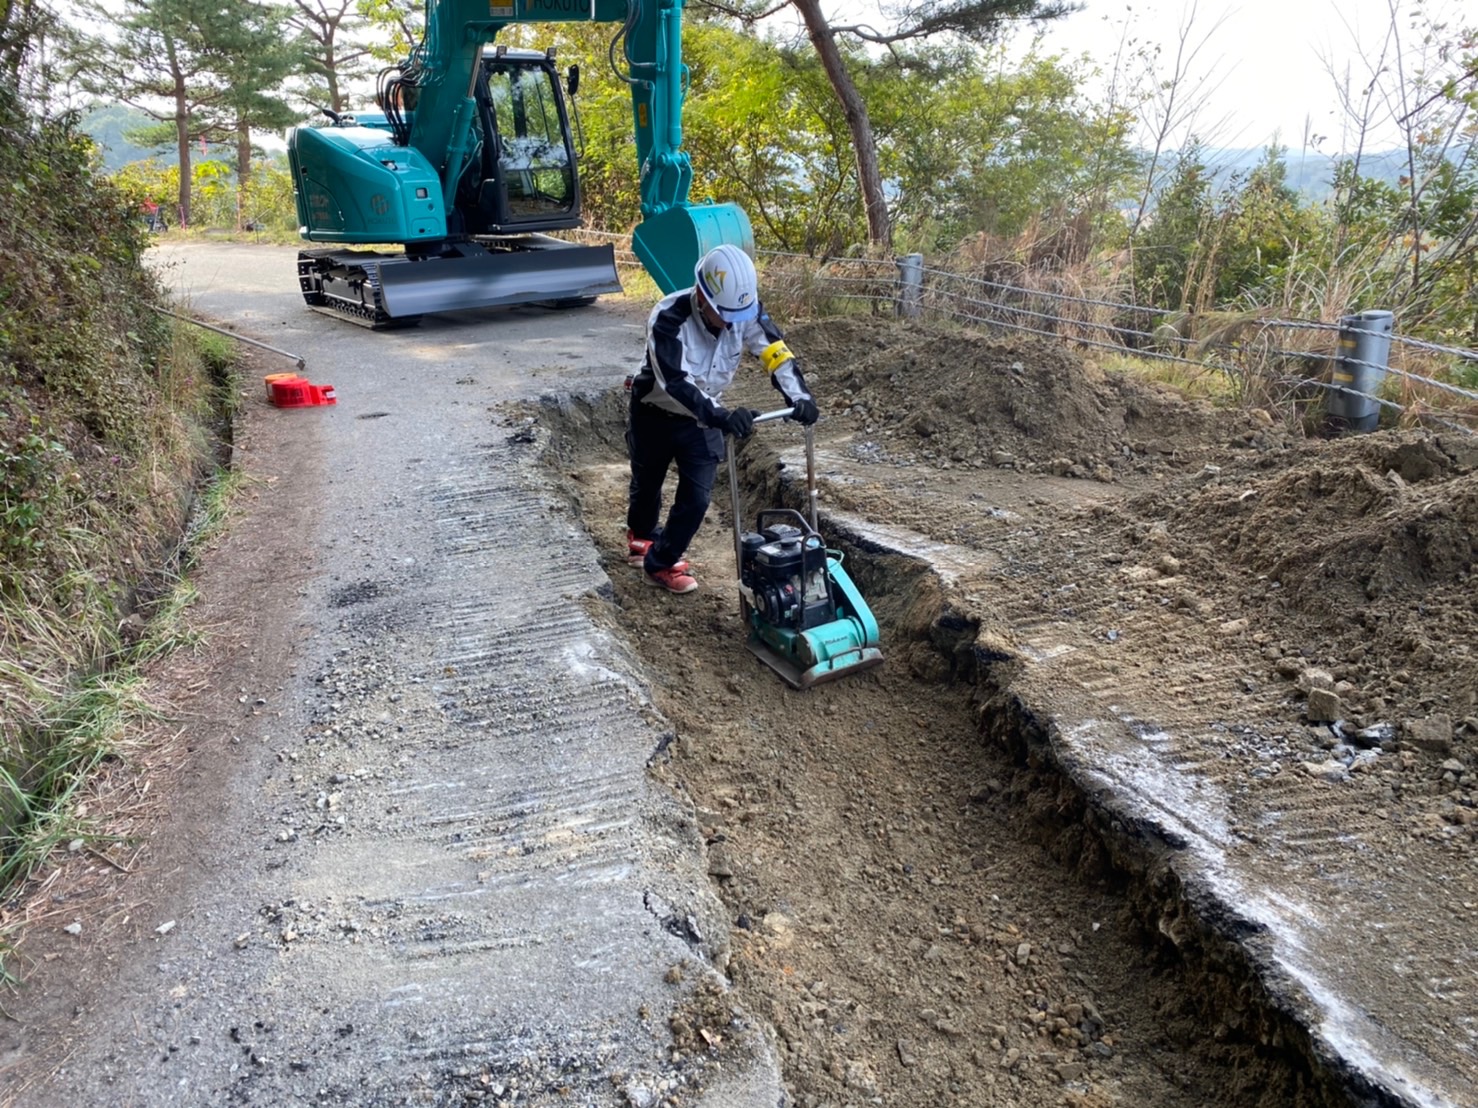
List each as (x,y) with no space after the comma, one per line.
(182,131)
(331,71)
(869,178)
(243,173)
(187,173)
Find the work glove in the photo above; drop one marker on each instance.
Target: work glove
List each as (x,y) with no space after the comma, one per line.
(739,423)
(806,412)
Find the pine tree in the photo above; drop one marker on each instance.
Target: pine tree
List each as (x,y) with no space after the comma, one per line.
(212,64)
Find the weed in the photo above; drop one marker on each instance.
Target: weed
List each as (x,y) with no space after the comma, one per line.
(1206,382)
(52,759)
(209,517)
(110,416)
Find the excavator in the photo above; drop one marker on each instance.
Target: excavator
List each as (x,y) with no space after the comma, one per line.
(469,165)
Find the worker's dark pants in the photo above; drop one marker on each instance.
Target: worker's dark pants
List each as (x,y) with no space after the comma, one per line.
(655,441)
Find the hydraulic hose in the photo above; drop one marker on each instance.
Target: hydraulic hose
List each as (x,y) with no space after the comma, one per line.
(633,13)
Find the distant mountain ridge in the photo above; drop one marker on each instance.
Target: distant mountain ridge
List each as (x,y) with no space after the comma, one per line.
(1310,172)
(108,127)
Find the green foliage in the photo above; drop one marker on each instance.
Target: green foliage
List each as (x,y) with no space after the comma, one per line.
(967,144)
(152,181)
(399,25)
(104,414)
(204,68)
(215,194)
(978,147)
(29,487)
(77,345)
(1167,251)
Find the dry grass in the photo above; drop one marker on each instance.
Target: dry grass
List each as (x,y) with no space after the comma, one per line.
(81,622)
(1242,357)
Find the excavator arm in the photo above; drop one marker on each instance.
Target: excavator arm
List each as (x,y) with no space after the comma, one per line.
(400,176)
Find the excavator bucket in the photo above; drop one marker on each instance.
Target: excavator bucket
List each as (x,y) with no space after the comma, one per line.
(669,244)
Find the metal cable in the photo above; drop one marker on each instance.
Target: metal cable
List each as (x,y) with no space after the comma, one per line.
(952,299)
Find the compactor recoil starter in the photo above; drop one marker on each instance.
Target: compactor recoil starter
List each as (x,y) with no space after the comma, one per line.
(805,617)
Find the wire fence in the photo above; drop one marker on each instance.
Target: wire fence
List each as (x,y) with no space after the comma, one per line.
(1266,360)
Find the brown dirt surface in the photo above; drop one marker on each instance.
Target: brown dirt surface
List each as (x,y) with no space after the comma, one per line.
(1264,642)
(938,397)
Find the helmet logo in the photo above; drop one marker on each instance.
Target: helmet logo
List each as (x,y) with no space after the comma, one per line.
(716,278)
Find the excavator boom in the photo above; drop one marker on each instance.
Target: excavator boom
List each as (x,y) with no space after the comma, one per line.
(470,163)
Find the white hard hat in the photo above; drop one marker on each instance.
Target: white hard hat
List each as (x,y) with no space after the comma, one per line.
(727,279)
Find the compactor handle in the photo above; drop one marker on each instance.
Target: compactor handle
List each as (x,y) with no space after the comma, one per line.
(811,491)
(781,413)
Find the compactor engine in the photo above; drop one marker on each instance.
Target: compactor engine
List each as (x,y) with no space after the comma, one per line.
(805,617)
(784,569)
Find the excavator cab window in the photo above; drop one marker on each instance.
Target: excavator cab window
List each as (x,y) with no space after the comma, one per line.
(534,157)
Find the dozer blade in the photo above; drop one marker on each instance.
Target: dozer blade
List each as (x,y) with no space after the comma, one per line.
(845,665)
(492,279)
(389,290)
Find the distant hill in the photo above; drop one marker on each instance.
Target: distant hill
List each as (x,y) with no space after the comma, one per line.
(1309,171)
(108,127)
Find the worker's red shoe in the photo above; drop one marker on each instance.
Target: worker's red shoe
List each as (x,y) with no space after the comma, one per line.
(674,578)
(636,549)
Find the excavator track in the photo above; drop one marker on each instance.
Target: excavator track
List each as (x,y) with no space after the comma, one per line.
(346,285)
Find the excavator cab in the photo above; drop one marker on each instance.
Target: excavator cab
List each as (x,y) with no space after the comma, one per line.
(361,180)
(525,164)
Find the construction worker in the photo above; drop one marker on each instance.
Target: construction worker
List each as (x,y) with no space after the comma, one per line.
(695,339)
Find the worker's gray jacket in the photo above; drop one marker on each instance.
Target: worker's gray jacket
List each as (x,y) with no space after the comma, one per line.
(688,367)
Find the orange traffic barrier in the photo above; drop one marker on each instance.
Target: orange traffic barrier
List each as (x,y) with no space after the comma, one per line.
(288,390)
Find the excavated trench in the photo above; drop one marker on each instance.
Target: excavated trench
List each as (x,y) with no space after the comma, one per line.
(930,901)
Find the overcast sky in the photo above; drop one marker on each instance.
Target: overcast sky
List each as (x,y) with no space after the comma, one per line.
(1261,59)
(1264,55)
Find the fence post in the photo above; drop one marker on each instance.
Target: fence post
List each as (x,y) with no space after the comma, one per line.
(1360,367)
(910,285)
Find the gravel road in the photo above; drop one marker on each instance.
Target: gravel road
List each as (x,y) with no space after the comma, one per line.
(415,856)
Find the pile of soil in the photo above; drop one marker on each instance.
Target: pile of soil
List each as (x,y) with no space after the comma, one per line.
(1360,553)
(943,396)
(1346,522)
(1354,556)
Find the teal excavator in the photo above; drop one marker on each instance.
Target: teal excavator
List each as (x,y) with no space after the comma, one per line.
(469,165)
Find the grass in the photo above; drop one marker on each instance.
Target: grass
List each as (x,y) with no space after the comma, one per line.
(61,747)
(111,419)
(1202,382)
(80,630)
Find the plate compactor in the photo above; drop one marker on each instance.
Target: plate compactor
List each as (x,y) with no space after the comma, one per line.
(806,619)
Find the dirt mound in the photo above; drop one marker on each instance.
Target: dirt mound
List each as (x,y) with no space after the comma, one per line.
(1342,523)
(944,396)
(1357,556)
